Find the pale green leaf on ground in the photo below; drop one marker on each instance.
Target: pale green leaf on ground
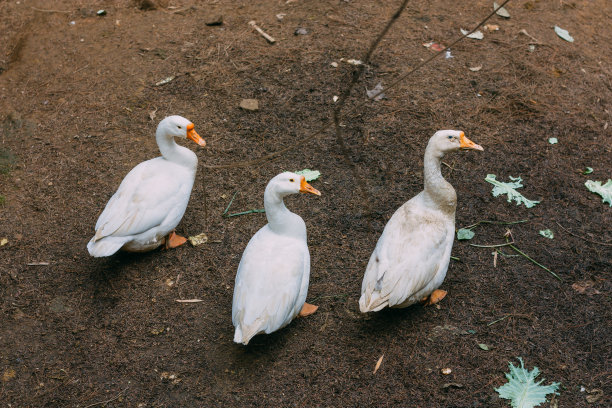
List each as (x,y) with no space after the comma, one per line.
(553,140)
(476,35)
(483,346)
(564,34)
(521,388)
(464,234)
(309,175)
(547,233)
(510,189)
(605,191)
(587,170)
(501,11)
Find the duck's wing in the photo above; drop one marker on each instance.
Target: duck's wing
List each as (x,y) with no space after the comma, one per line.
(408,256)
(146,197)
(268,284)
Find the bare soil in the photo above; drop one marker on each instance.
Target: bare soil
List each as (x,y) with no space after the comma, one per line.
(79,107)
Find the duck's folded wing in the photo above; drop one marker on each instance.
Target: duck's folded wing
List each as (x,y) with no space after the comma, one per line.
(268,284)
(142,201)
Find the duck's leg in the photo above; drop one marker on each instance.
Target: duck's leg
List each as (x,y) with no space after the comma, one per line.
(307,310)
(173,240)
(436,296)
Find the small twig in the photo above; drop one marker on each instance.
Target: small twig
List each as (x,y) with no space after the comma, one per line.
(536,41)
(582,238)
(50,11)
(230,204)
(80,69)
(535,262)
(341,296)
(498,320)
(268,38)
(107,401)
(492,246)
(495,222)
(257,210)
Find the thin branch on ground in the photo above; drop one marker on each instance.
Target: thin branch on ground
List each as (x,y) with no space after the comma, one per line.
(328,123)
(492,246)
(535,262)
(254,211)
(230,204)
(495,223)
(50,11)
(583,238)
(107,401)
(356,75)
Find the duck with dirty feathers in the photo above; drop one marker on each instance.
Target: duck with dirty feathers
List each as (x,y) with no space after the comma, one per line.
(412,255)
(272,278)
(152,198)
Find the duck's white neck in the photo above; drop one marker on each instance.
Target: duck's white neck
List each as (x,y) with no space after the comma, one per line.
(437,190)
(173,152)
(280,219)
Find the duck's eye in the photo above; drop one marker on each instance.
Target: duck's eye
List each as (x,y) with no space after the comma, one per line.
(291,180)
(180,127)
(450,137)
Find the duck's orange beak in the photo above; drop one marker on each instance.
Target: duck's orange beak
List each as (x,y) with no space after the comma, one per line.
(191,134)
(468,144)
(307,188)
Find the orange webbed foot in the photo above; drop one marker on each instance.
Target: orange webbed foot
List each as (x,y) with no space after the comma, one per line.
(173,240)
(307,310)
(436,296)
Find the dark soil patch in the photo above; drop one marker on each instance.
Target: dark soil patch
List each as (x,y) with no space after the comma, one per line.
(75,105)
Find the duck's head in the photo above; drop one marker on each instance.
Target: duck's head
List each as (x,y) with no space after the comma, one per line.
(290,183)
(178,126)
(446,141)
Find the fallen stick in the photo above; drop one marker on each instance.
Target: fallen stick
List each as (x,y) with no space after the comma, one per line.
(50,11)
(268,37)
(535,262)
(255,211)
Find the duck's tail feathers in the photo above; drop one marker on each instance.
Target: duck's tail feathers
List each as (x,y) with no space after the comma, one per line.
(105,246)
(244,336)
(372,302)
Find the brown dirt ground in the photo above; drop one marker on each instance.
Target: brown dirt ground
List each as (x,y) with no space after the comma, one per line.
(75,103)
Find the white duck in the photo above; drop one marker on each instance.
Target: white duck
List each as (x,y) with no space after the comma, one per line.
(412,255)
(272,279)
(152,198)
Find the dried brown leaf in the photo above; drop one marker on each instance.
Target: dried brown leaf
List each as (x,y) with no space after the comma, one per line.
(378,363)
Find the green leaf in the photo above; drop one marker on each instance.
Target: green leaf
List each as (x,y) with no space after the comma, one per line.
(553,140)
(464,234)
(547,233)
(605,191)
(483,346)
(509,189)
(500,11)
(564,34)
(587,170)
(309,175)
(522,390)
